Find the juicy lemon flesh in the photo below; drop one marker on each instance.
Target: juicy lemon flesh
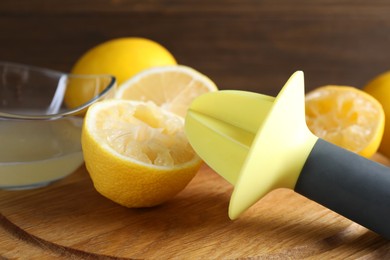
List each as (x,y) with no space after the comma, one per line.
(173,87)
(136,153)
(347,117)
(145,134)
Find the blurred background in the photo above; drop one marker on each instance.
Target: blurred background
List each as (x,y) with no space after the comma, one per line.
(241,44)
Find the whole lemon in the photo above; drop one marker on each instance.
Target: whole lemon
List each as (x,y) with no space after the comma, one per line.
(379,88)
(121,57)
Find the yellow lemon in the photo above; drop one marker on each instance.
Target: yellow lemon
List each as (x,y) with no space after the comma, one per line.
(136,153)
(379,87)
(171,87)
(346,116)
(122,58)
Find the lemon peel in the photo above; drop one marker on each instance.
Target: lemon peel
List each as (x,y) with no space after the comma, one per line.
(136,153)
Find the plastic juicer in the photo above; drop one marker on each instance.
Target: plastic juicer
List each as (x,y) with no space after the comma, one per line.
(259,143)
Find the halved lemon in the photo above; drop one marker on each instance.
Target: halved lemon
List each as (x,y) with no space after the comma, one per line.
(136,153)
(171,87)
(347,117)
(379,88)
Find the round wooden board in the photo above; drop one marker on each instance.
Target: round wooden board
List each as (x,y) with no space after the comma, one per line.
(70,219)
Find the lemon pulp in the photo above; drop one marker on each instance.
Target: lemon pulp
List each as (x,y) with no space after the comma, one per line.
(136,153)
(346,116)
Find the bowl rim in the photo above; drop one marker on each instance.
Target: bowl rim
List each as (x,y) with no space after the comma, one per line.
(59,74)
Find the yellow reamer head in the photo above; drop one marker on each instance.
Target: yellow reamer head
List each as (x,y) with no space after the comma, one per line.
(256,142)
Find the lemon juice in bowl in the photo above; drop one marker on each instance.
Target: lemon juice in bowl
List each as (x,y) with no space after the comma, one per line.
(36,153)
(40,130)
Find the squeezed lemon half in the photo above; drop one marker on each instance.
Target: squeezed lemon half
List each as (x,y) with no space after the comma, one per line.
(346,116)
(136,153)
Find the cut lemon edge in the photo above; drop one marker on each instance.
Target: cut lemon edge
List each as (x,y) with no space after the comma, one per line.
(125,144)
(171,87)
(379,88)
(346,116)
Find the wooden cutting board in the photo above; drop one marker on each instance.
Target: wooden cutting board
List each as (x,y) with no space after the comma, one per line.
(70,219)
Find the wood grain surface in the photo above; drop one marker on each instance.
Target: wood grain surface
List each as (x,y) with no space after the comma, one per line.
(71,220)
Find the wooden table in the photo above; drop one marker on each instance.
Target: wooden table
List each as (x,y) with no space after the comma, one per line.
(69,219)
(241,44)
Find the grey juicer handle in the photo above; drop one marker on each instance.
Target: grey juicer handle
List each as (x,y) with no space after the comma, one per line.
(349,184)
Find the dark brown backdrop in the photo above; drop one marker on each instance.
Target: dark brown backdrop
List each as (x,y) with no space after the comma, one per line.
(241,44)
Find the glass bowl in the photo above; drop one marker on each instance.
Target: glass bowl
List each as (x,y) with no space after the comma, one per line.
(40,122)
